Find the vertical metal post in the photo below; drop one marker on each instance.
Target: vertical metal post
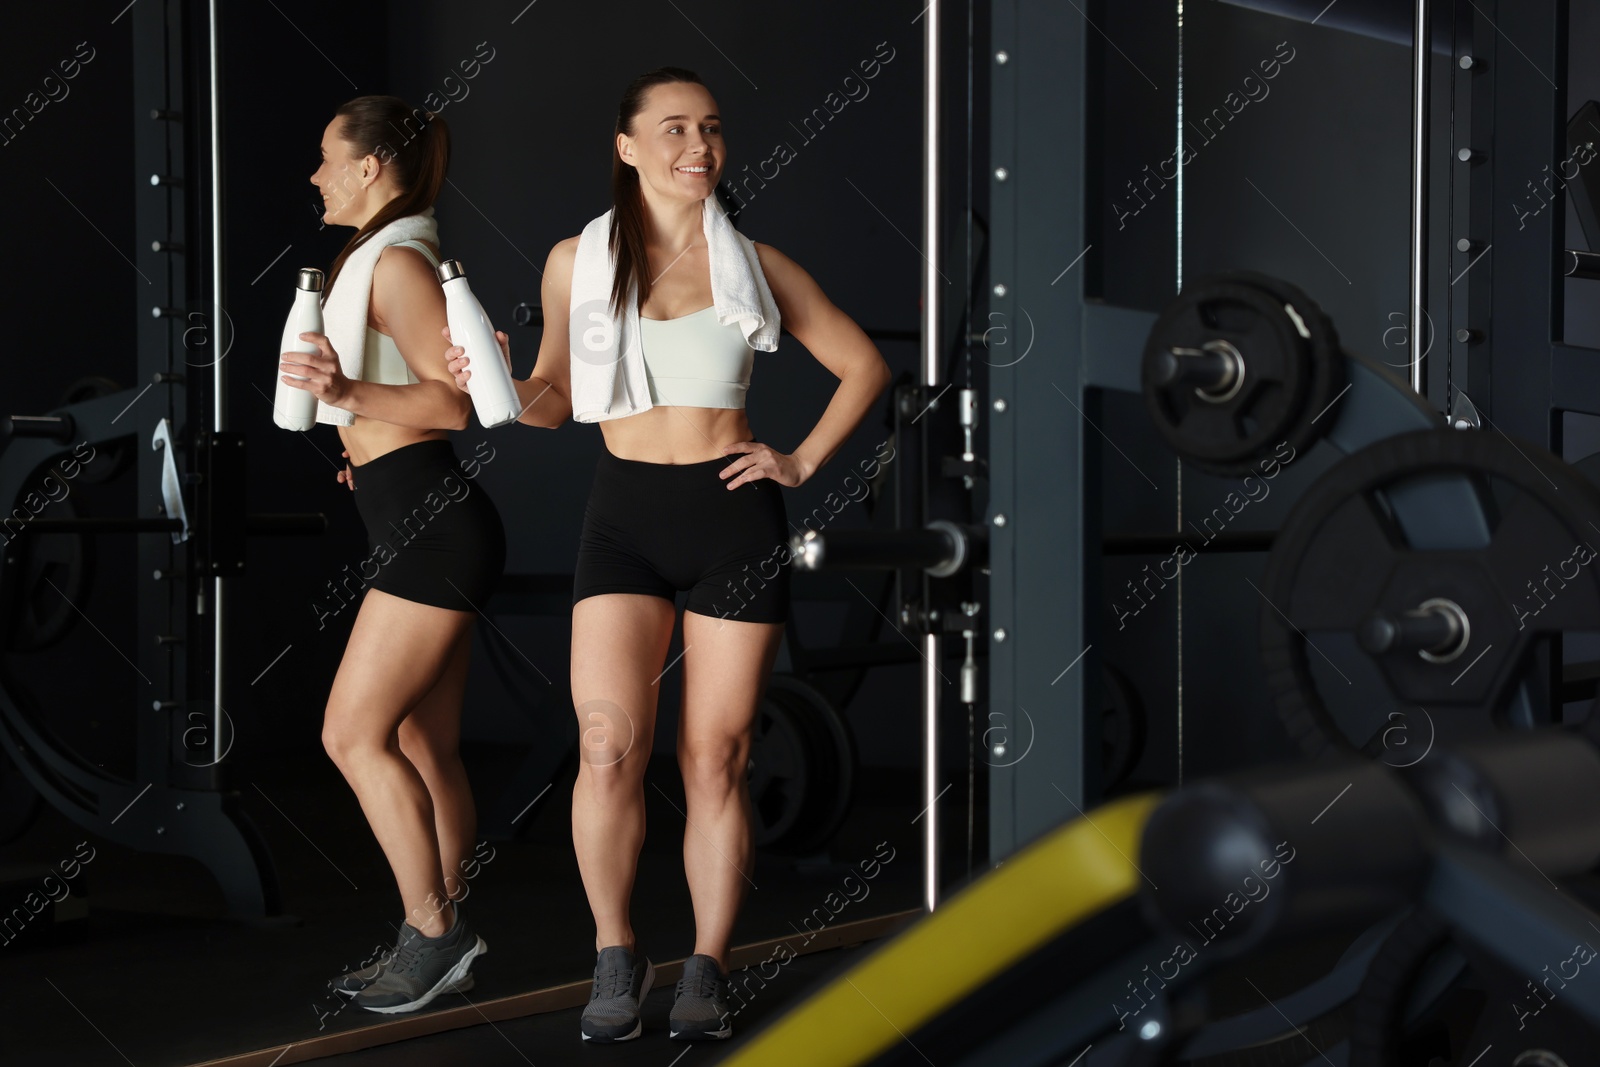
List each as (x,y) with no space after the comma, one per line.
(219,392)
(1419,194)
(932,304)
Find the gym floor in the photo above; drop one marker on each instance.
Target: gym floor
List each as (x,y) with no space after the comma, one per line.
(551,1039)
(153,972)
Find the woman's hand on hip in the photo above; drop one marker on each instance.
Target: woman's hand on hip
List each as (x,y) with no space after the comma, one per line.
(762,461)
(325,380)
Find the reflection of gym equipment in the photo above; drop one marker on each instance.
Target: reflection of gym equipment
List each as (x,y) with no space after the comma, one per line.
(175,801)
(52,572)
(1070,944)
(802,767)
(191,522)
(44,615)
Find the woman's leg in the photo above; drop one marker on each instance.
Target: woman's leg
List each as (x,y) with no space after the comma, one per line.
(619,646)
(725,668)
(430,737)
(397,652)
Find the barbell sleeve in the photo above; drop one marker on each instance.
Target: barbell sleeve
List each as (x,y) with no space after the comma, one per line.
(266,524)
(1432,629)
(57,427)
(941,548)
(1210,371)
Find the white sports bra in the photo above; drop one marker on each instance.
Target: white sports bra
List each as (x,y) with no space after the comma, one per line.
(381,360)
(694,361)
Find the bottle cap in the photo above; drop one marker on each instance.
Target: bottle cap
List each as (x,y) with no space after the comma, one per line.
(309,279)
(450,270)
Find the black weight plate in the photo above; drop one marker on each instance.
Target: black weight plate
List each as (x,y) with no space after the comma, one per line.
(19,802)
(832,785)
(1341,556)
(1327,359)
(781,772)
(1225,437)
(51,575)
(1122,729)
(111,458)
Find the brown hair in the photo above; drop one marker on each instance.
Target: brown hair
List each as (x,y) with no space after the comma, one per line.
(627,204)
(371,125)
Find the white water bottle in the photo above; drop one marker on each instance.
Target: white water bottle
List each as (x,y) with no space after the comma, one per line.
(296,409)
(494,397)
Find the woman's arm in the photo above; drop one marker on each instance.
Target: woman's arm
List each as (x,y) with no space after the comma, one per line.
(409,303)
(415,305)
(545,395)
(836,342)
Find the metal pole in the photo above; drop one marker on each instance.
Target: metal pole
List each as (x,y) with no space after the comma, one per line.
(931,318)
(1419,193)
(219,396)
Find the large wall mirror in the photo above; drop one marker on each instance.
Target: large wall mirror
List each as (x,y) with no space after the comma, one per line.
(197,868)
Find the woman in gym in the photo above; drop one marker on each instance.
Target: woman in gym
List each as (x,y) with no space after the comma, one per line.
(393,717)
(684,498)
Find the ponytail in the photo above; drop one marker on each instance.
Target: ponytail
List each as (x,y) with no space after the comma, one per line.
(372,124)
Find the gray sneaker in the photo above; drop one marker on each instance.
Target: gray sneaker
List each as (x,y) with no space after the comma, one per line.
(352,982)
(700,1010)
(421,968)
(620,986)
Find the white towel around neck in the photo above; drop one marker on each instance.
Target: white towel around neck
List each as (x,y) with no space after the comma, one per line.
(344,313)
(600,346)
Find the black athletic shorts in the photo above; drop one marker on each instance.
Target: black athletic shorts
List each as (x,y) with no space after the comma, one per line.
(658,528)
(434,535)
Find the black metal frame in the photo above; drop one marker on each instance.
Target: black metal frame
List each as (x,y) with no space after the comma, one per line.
(1513,106)
(178,801)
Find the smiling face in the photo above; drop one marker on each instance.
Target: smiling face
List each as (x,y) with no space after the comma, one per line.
(350,184)
(676,144)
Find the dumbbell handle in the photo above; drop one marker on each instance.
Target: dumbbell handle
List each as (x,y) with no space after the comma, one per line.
(1212,371)
(1431,630)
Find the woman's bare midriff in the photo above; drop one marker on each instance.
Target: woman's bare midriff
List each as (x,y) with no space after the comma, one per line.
(666,434)
(368,439)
